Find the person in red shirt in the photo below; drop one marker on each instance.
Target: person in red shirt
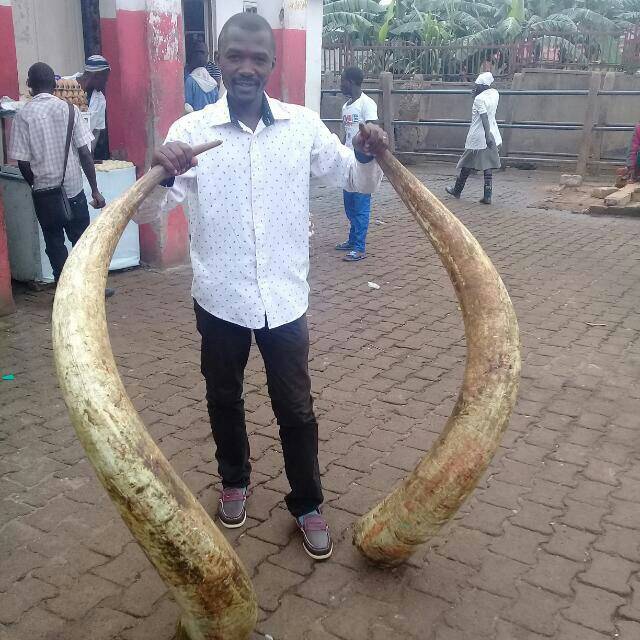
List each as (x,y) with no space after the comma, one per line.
(633,170)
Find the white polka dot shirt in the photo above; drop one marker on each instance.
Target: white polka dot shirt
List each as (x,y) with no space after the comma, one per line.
(249,207)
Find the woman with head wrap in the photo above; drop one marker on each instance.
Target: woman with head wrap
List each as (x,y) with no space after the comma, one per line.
(481,149)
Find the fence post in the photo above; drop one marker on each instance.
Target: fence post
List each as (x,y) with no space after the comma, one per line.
(516,85)
(602,113)
(386,84)
(587,129)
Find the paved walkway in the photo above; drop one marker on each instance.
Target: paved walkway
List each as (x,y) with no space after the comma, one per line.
(547,547)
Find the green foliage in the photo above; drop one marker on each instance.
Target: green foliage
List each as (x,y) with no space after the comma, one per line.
(561,28)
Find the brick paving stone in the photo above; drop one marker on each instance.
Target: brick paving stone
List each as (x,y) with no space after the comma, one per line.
(101,624)
(326,583)
(570,543)
(76,602)
(571,631)
(38,624)
(535,609)
(479,610)
(272,582)
(619,541)
(554,573)
(536,517)
(21,596)
(627,630)
(518,544)
(609,572)
(442,578)
(140,597)
(594,608)
(386,369)
(498,574)
(584,516)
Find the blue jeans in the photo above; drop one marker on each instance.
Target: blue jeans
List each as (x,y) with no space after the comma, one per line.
(357,206)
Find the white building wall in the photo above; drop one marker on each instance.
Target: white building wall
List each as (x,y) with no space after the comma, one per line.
(48,32)
(314,55)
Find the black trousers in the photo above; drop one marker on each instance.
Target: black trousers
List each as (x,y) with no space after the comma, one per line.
(54,227)
(285,351)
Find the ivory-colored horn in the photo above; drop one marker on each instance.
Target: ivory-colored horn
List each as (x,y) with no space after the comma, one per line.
(191,555)
(434,491)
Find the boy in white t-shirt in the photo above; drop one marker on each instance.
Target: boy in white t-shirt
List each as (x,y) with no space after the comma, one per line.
(359,109)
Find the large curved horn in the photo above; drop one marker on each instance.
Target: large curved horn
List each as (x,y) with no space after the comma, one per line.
(441,482)
(191,555)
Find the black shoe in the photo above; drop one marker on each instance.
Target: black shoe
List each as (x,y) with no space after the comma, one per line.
(487,195)
(452,192)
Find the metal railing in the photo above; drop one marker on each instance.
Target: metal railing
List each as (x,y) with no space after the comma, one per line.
(590,124)
(461,59)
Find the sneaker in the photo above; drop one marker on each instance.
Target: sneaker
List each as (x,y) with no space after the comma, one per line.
(108,292)
(316,537)
(354,256)
(344,246)
(232,508)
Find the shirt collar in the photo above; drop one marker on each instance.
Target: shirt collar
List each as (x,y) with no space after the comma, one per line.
(220,113)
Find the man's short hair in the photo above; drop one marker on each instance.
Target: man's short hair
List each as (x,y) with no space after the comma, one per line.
(247,22)
(41,76)
(353,74)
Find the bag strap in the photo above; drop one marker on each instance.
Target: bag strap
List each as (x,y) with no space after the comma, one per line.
(68,142)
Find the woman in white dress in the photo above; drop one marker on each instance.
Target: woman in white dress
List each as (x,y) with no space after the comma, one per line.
(481,149)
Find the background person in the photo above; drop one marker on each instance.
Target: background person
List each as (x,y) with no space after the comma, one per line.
(250,257)
(359,108)
(94,80)
(200,88)
(38,141)
(481,149)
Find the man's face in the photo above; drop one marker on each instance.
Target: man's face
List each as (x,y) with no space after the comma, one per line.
(346,87)
(200,55)
(99,80)
(246,59)
(478,89)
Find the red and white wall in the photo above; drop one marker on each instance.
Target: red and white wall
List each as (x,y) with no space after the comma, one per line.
(143,41)
(8,87)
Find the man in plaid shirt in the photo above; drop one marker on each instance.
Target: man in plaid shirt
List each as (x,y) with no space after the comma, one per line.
(38,138)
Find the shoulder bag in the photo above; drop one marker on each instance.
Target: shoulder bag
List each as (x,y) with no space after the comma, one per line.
(54,200)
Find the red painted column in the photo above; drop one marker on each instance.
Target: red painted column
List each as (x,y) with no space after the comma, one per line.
(150,78)
(6,297)
(8,87)
(8,60)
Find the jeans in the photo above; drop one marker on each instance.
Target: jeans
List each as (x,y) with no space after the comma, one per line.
(54,228)
(357,206)
(285,351)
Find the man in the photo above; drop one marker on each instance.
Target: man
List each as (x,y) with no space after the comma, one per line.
(250,257)
(94,82)
(38,140)
(200,88)
(481,149)
(359,108)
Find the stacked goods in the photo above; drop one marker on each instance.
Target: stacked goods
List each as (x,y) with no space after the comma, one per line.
(71,91)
